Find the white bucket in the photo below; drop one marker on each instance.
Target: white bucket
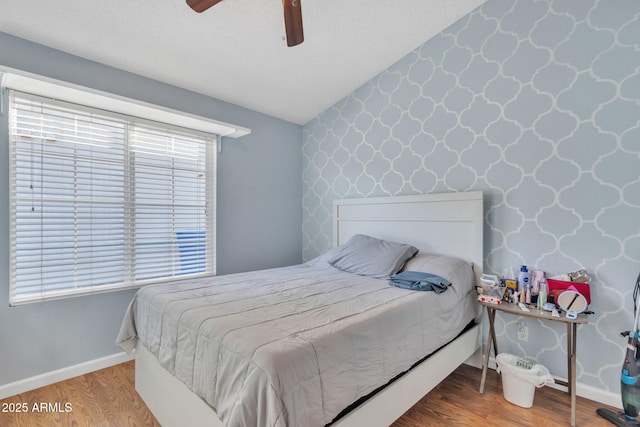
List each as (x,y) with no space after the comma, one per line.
(520,378)
(517,391)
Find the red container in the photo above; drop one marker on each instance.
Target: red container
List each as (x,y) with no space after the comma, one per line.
(582,288)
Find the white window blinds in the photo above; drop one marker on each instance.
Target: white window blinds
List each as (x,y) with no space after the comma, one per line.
(102,201)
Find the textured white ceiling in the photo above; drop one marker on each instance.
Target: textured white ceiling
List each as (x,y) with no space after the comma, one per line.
(236,50)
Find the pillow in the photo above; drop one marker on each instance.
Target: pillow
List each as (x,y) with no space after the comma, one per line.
(368,256)
(458,271)
(321,260)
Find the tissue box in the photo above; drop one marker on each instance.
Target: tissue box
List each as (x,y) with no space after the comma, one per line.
(489,299)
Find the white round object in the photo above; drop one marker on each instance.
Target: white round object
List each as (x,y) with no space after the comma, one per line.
(572,301)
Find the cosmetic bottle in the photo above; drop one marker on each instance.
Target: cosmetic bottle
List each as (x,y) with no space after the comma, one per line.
(544,291)
(523,278)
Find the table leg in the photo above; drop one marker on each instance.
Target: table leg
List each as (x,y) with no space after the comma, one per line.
(491,340)
(493,333)
(571,350)
(569,347)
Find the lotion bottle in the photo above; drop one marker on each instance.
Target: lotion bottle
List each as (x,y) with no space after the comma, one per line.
(523,278)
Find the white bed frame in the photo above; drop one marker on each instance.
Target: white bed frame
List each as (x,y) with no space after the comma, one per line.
(444,223)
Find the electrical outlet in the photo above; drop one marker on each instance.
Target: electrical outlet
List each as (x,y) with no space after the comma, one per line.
(523,332)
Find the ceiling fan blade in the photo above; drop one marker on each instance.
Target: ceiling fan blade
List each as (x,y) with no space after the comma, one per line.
(202,5)
(293,22)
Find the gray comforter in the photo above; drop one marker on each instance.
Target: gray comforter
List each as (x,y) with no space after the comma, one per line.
(290,346)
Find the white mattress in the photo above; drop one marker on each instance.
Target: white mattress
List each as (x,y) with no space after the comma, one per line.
(291,346)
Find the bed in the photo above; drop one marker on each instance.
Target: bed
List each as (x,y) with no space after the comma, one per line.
(312,344)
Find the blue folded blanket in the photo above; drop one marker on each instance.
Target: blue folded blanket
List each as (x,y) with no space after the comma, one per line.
(420,281)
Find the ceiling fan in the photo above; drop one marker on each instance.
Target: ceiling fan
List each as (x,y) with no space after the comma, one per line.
(292,17)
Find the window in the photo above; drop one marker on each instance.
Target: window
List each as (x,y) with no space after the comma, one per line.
(102,201)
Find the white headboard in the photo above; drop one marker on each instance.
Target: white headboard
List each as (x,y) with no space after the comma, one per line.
(441,223)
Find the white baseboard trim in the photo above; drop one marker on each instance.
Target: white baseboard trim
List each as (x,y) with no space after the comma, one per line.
(588,392)
(595,394)
(58,375)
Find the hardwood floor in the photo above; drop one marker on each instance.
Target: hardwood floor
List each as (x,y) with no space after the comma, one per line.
(457,402)
(107,398)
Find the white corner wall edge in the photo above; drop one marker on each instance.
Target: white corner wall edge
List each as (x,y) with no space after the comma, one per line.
(63,374)
(586,391)
(43,86)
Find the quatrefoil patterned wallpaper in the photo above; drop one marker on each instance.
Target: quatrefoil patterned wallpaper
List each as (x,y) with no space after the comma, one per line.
(536,103)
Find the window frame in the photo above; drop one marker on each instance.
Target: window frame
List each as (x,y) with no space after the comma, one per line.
(211,140)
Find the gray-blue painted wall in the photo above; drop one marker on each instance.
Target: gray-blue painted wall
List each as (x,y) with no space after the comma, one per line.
(533,102)
(537,103)
(258,220)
